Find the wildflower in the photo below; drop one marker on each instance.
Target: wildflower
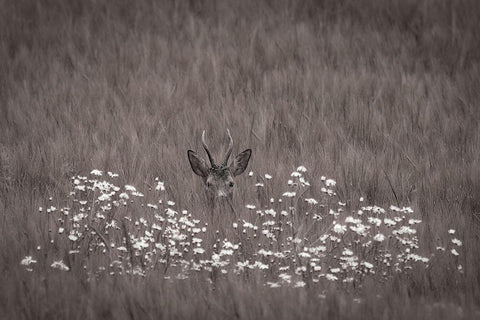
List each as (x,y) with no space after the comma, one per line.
(104,197)
(451,231)
(304,182)
(379,237)
(271,212)
(27,261)
(331,277)
(296,174)
(311,201)
(389,222)
(454,252)
(302,169)
(170,203)
(112,175)
(130,188)
(299,284)
(304,255)
(160,186)
(351,219)
(457,242)
(414,221)
(289,194)
(267,176)
(416,257)
(60,265)
(338,228)
(198,250)
(250,206)
(404,230)
(285,277)
(330,183)
(259,184)
(96,172)
(273,284)
(375,221)
(250,174)
(361,199)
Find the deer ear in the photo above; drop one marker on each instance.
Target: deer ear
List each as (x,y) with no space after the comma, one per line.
(240,162)
(198,164)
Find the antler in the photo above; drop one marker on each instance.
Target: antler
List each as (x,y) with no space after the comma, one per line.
(229,151)
(212,162)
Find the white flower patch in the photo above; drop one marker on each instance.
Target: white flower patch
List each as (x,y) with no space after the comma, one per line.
(375,221)
(302,169)
(112,175)
(331,277)
(404,230)
(311,201)
(160,186)
(457,242)
(96,172)
(273,284)
(360,229)
(130,188)
(290,194)
(338,228)
(351,219)
(60,265)
(330,183)
(268,177)
(389,222)
(27,262)
(285,277)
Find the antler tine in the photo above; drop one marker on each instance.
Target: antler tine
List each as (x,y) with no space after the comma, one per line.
(212,162)
(229,151)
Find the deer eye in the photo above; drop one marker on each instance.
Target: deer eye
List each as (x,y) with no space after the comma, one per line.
(231,184)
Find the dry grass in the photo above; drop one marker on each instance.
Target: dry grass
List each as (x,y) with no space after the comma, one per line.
(381,95)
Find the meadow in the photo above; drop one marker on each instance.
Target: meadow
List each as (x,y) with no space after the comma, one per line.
(361,200)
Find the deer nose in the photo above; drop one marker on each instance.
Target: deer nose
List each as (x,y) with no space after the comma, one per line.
(222,193)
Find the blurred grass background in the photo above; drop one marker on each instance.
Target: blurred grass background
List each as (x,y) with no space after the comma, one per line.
(383,96)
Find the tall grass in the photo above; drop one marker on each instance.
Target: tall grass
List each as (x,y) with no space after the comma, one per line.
(381,95)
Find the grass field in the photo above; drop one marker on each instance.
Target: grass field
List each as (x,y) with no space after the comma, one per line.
(381,96)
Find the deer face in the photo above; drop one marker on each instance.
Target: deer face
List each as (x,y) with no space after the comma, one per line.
(219,179)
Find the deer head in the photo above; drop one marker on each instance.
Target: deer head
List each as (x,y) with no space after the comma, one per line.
(219,178)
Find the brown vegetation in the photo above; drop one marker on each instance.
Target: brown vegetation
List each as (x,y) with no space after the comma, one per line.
(382,95)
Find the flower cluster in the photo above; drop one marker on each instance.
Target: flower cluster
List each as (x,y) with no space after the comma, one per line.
(298,239)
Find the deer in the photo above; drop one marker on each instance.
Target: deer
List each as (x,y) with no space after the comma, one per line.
(219,178)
